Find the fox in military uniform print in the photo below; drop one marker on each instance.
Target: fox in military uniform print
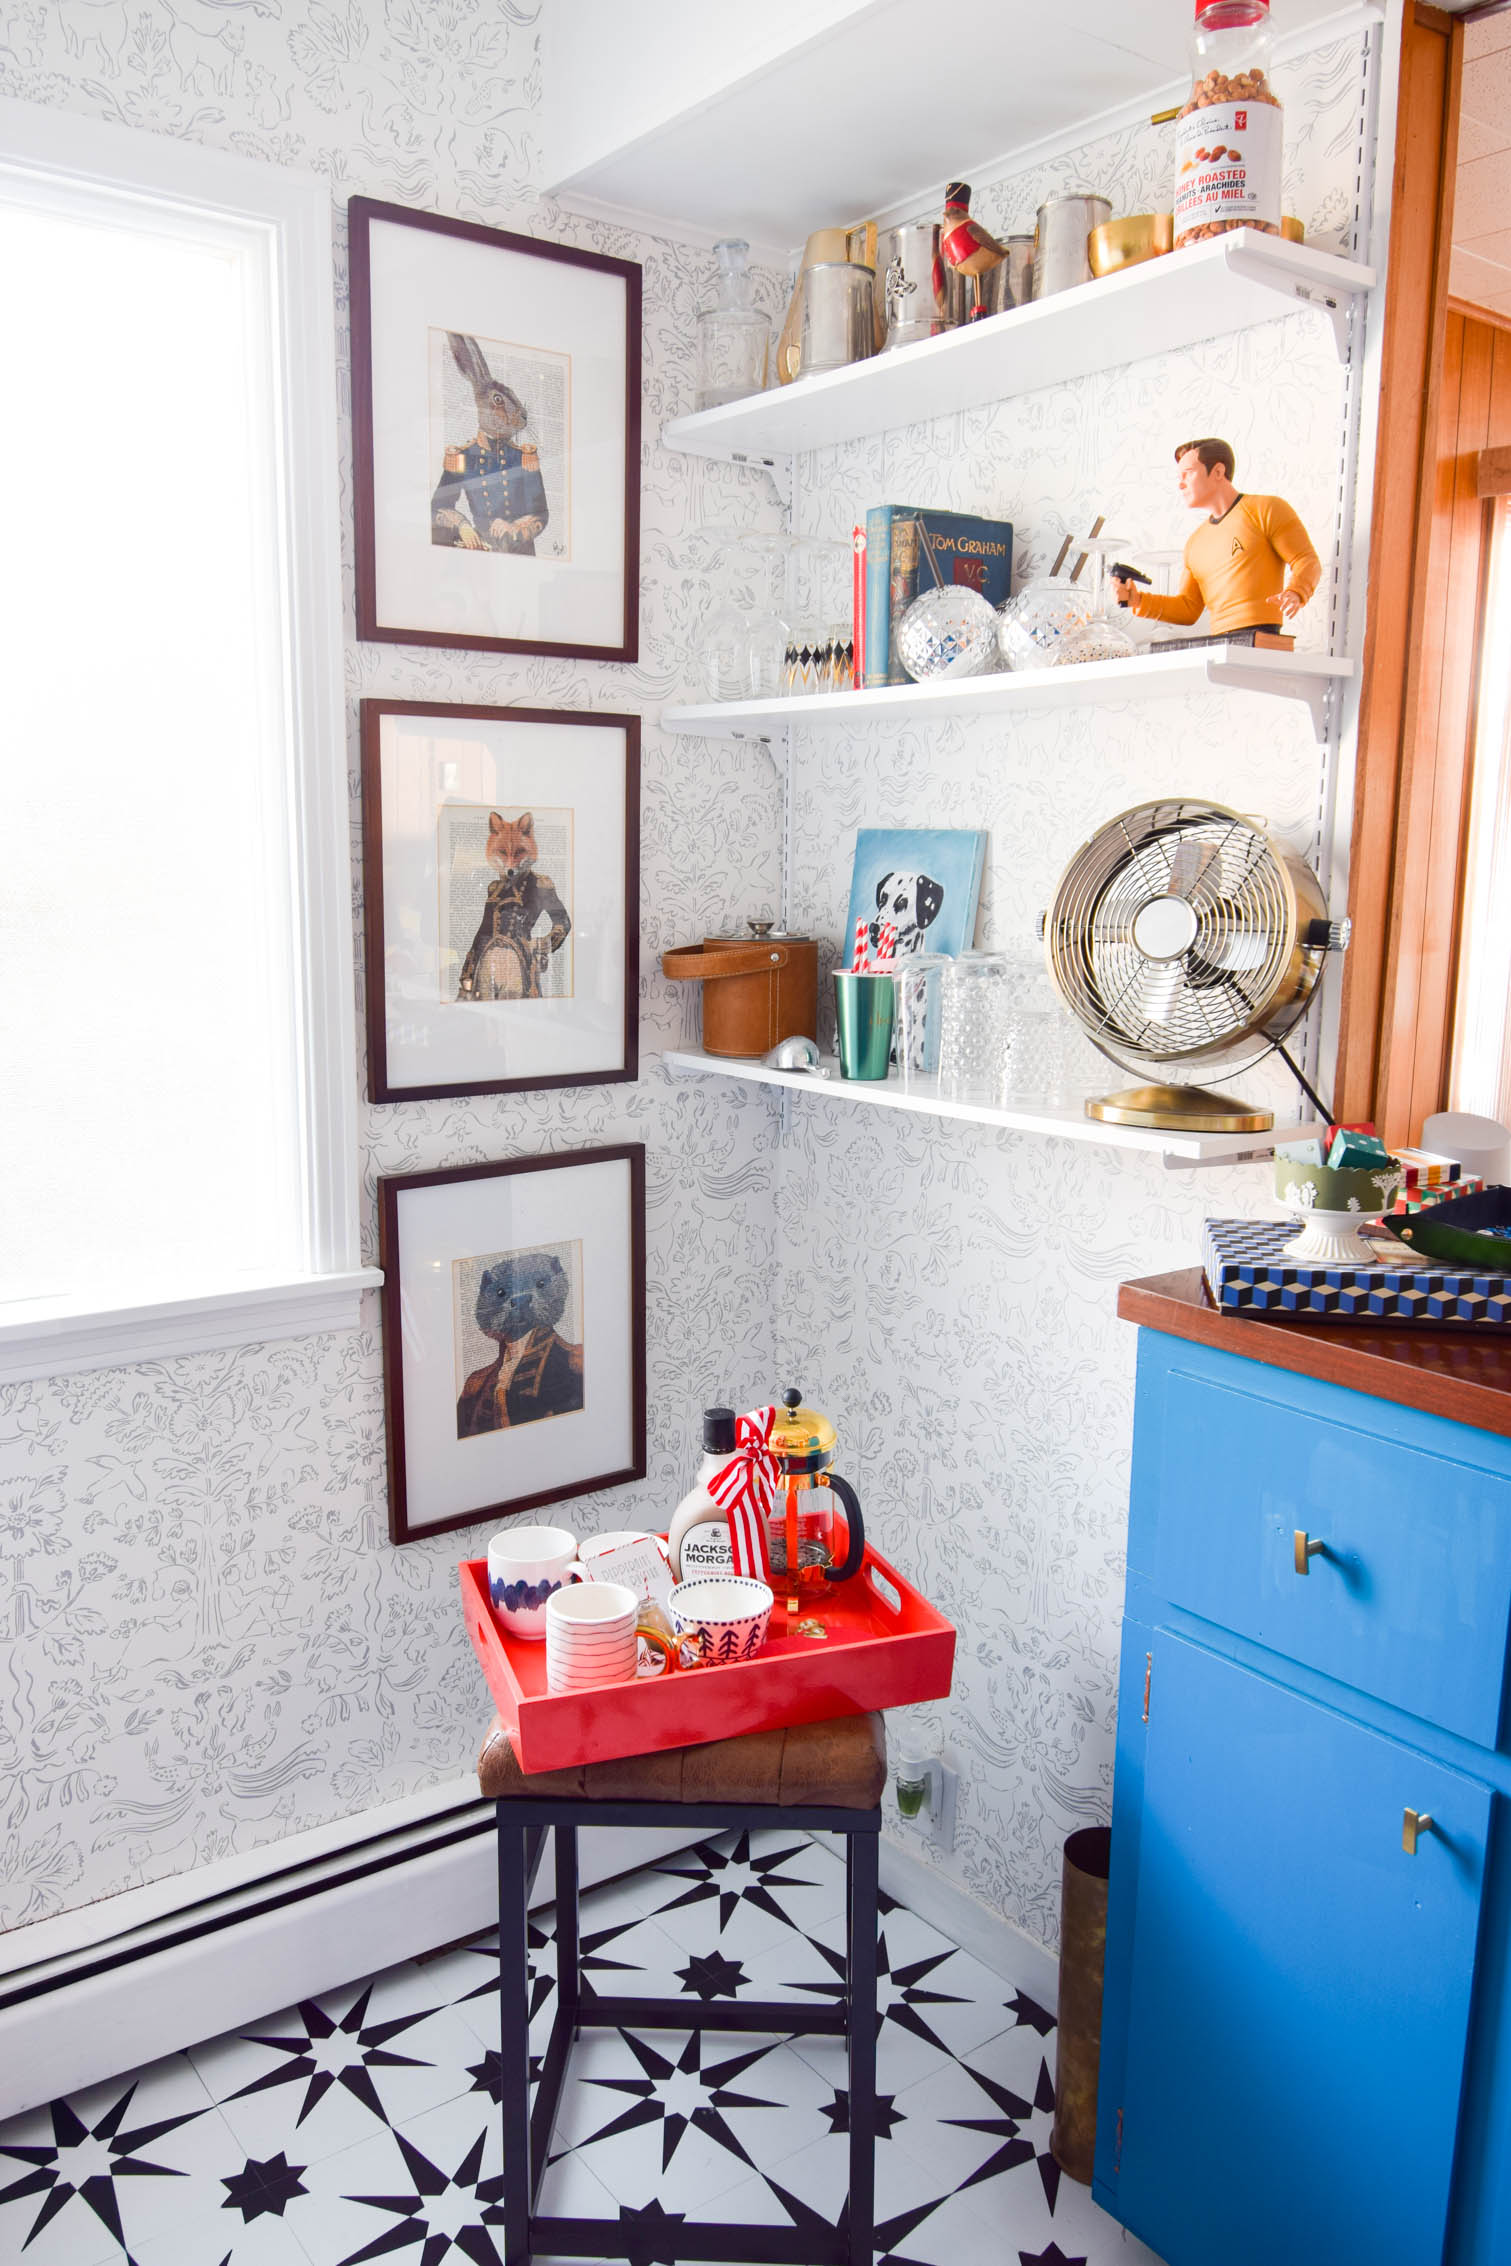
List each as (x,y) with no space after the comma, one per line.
(507,959)
(491,496)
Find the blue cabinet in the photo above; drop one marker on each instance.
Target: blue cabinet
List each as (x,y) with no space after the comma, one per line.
(1306,2049)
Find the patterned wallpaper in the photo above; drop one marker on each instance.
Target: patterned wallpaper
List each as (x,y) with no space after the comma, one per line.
(947,1293)
(212,1643)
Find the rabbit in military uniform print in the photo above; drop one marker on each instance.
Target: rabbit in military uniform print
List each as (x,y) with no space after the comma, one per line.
(507,959)
(520,1300)
(500,484)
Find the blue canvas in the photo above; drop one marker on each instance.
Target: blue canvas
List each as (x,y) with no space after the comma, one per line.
(932,878)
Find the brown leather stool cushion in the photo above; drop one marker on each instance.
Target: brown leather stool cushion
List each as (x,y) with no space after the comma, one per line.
(839,1765)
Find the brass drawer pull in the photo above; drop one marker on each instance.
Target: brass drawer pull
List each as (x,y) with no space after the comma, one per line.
(1414,1823)
(1307,1548)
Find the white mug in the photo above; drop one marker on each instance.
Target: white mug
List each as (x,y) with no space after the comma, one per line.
(590,1636)
(527,1566)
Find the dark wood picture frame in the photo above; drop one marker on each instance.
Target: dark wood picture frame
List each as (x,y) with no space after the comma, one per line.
(362,212)
(391,1192)
(372,712)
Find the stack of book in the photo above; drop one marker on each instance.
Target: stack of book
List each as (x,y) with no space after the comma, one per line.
(892,569)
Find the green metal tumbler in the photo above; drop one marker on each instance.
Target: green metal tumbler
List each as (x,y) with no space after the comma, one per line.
(863,1011)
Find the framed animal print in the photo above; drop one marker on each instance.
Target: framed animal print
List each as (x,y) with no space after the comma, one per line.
(496,415)
(513,1335)
(501,879)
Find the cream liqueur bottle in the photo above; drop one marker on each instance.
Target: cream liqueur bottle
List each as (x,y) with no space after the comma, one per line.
(698,1540)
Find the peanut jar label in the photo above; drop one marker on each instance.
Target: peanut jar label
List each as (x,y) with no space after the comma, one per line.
(1227,165)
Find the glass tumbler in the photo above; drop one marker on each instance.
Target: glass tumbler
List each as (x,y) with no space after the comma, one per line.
(918,987)
(976,995)
(1040,1035)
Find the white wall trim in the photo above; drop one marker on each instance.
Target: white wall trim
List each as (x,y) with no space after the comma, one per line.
(41,1944)
(86,2021)
(1000,1945)
(44,1344)
(56,154)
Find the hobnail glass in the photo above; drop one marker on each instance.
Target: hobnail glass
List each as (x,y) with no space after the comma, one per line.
(950,632)
(975,1027)
(1034,629)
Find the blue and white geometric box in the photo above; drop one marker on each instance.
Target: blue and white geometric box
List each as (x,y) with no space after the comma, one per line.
(1246,1274)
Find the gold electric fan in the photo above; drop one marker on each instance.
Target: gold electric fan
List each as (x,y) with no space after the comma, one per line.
(1183,933)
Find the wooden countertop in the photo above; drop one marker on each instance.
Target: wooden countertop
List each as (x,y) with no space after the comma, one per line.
(1442,1372)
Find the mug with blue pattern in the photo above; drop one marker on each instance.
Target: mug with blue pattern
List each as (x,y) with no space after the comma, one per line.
(526,1565)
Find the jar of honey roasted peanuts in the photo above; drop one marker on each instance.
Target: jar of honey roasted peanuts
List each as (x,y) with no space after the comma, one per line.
(1229,138)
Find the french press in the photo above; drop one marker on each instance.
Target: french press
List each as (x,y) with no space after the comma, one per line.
(801,1533)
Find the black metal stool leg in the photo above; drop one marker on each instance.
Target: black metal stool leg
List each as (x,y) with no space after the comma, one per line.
(568,1948)
(514,2035)
(861,1858)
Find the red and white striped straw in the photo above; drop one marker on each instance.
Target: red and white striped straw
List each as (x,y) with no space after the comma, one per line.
(861,963)
(886,945)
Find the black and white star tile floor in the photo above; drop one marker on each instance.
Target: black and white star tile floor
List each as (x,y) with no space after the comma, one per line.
(364,2124)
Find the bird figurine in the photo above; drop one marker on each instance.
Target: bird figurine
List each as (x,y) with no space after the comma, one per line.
(967,246)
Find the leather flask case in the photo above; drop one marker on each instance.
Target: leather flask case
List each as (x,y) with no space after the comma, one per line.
(756,991)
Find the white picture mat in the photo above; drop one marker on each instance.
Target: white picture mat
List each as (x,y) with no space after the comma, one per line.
(445,1477)
(428,761)
(423,281)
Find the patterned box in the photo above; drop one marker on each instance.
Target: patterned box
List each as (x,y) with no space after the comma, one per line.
(1246,1274)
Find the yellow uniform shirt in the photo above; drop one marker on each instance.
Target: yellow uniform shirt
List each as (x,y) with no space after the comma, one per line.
(1236,565)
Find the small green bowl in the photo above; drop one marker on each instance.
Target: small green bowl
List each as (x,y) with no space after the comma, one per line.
(1366,1190)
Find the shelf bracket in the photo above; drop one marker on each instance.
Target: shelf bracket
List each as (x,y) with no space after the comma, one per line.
(778,470)
(1336,305)
(1312,692)
(1265,1147)
(1337,311)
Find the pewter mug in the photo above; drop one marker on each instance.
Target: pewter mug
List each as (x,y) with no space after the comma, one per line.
(916,283)
(1060,233)
(837,326)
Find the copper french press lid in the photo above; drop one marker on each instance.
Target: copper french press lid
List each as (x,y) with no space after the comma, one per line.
(802,1439)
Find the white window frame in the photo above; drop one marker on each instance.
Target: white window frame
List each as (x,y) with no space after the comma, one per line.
(48,1337)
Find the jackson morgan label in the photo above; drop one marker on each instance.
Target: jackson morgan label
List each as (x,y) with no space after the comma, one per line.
(1228,162)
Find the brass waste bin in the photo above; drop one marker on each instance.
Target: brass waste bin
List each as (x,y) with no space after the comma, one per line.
(1078,2036)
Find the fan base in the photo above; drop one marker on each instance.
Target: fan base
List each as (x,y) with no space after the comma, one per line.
(1179,1109)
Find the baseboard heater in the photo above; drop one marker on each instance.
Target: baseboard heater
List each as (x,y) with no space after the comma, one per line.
(299,1928)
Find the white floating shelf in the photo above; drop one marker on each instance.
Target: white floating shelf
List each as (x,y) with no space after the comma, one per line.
(1148,676)
(1206,291)
(1180,1151)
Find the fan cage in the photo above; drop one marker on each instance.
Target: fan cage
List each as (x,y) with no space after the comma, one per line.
(1248,972)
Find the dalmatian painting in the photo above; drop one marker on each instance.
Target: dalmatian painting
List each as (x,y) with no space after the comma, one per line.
(519,1355)
(924,880)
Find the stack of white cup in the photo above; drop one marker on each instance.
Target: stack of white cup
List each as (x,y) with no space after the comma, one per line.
(590,1635)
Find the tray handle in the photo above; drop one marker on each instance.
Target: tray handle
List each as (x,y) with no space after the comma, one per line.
(890,1596)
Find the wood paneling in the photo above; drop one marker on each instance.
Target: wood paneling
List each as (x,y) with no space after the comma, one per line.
(1494,473)
(1416,292)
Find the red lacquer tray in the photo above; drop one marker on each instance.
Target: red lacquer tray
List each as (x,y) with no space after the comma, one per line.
(886,1647)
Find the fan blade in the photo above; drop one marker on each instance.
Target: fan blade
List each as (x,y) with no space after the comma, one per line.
(1161,987)
(1187,866)
(1234,945)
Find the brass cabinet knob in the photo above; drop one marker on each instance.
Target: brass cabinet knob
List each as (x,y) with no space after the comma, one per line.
(1307,1548)
(1414,1823)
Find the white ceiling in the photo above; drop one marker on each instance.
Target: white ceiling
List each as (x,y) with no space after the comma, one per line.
(1481,264)
(872,114)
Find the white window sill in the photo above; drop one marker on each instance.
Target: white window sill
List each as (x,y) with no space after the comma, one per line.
(39,1340)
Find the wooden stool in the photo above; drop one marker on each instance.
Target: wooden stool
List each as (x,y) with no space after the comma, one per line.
(821,1777)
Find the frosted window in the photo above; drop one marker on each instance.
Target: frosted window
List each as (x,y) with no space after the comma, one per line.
(150,1133)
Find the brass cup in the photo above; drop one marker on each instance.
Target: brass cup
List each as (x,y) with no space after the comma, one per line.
(1125,243)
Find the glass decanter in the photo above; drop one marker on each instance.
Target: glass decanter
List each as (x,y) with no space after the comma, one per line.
(1101,637)
(734,337)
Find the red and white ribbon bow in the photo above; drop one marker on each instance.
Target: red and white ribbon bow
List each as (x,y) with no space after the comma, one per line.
(745,1490)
